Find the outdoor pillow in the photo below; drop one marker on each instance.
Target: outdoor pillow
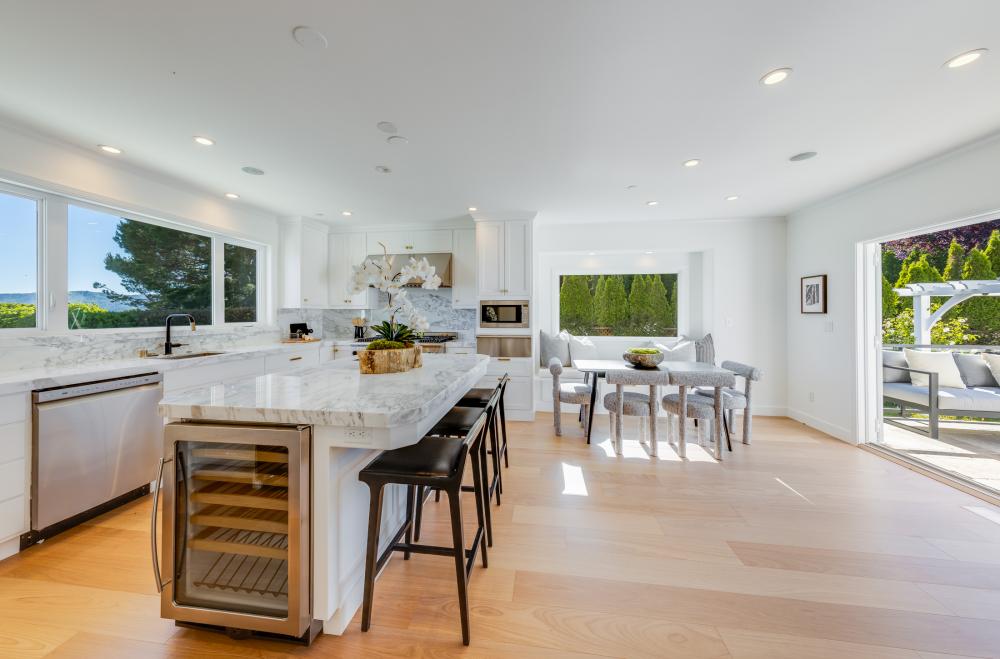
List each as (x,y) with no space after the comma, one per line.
(895,358)
(682,351)
(975,372)
(580,347)
(554,345)
(942,363)
(993,362)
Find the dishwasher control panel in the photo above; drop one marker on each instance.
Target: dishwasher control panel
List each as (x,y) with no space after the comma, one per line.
(90,388)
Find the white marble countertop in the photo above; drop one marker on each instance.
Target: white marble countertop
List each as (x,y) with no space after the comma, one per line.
(334,394)
(12,382)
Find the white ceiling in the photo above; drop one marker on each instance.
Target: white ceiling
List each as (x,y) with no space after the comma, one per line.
(546,105)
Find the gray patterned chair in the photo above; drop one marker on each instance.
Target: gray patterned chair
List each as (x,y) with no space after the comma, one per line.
(574,393)
(620,403)
(734,399)
(684,406)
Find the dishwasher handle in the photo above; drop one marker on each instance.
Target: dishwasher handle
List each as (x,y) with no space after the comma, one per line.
(152,527)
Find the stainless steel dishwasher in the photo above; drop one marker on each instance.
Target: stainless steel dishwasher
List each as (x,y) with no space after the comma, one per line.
(94,447)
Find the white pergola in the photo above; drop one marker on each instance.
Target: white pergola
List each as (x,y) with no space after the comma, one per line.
(955,291)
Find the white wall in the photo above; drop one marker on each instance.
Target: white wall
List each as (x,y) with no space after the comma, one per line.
(824,239)
(741,264)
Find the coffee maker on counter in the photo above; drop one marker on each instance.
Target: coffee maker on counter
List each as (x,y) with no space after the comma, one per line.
(299,332)
(359,327)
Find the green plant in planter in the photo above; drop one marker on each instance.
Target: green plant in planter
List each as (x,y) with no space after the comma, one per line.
(643,351)
(391,331)
(385,344)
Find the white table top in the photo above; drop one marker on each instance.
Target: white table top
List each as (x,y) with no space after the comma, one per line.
(334,394)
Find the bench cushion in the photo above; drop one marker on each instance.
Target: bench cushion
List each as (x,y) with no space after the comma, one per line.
(971,399)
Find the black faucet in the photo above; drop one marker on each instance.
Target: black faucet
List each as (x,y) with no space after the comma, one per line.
(168,346)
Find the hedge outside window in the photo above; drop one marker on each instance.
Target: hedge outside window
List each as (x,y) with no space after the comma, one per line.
(618,305)
(127,273)
(240,284)
(19,265)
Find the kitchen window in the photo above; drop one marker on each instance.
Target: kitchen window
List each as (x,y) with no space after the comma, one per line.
(128,273)
(240,275)
(619,304)
(19,265)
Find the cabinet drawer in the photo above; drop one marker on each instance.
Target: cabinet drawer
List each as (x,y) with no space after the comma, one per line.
(195,376)
(512,366)
(518,395)
(12,518)
(463,350)
(13,408)
(12,479)
(292,359)
(12,441)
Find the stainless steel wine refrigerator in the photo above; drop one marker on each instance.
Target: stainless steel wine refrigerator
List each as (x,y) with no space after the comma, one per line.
(235,528)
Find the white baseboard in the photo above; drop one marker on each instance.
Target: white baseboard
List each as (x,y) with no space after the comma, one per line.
(831,429)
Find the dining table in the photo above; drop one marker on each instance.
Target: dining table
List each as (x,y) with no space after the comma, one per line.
(595,369)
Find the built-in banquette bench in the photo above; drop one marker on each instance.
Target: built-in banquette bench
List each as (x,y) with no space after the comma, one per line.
(942,380)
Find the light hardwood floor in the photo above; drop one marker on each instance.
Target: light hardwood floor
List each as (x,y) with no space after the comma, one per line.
(798,547)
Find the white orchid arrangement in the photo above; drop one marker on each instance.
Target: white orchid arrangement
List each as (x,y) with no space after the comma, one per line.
(378,273)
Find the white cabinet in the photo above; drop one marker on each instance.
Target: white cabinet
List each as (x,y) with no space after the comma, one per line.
(346,251)
(199,376)
(294,358)
(463,270)
(304,264)
(503,258)
(427,241)
(14,463)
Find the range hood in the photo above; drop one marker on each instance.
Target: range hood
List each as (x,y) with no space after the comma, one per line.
(440,262)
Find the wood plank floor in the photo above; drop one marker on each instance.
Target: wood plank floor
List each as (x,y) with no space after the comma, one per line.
(798,547)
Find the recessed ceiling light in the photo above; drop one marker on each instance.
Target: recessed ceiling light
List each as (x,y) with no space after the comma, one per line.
(253,171)
(346,213)
(966,58)
(652,203)
(776,76)
(382,169)
(232,195)
(204,141)
(732,197)
(309,38)
(396,139)
(694,162)
(591,253)
(472,209)
(107,148)
(386,127)
(805,155)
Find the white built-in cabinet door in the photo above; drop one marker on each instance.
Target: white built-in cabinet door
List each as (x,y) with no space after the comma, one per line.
(346,251)
(463,270)
(517,259)
(490,259)
(315,276)
(429,241)
(395,241)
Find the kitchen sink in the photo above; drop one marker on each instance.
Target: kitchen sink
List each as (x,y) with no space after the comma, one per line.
(190,355)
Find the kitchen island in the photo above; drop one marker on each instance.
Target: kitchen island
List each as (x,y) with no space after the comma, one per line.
(352,417)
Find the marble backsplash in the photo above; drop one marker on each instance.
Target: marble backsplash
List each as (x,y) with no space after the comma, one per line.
(436,305)
(74,349)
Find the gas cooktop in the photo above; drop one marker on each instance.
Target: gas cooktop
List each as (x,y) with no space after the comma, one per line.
(427,338)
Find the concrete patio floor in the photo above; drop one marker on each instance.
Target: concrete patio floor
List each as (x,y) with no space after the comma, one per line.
(967,449)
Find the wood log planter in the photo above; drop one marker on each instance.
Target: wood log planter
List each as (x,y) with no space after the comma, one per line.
(378,362)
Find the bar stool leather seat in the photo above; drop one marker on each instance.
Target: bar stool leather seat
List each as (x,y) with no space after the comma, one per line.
(456,422)
(430,458)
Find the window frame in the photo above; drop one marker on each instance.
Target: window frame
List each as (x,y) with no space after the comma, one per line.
(52,264)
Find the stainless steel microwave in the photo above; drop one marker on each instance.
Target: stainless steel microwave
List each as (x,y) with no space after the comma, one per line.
(504,314)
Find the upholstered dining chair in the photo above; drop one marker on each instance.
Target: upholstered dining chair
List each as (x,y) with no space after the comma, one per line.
(620,403)
(733,399)
(573,393)
(685,406)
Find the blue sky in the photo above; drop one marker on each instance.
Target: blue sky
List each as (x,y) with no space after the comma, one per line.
(91,237)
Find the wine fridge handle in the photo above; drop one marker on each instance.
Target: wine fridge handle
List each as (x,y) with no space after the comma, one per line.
(152,527)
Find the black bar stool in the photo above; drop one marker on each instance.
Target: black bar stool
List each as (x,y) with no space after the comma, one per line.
(479,398)
(432,462)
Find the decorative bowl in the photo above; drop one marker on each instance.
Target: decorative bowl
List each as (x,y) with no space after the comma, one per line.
(643,360)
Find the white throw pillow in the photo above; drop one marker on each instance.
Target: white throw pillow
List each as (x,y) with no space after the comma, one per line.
(682,351)
(942,363)
(580,347)
(993,361)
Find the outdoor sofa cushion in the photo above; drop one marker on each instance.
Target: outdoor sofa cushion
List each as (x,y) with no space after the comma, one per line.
(974,369)
(894,358)
(971,399)
(942,363)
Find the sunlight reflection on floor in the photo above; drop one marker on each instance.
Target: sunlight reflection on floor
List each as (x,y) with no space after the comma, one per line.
(573,483)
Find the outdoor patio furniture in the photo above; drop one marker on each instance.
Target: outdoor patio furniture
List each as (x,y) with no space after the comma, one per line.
(572,393)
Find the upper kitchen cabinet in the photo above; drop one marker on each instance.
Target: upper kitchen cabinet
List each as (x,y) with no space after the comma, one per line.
(426,241)
(304,264)
(503,254)
(346,250)
(463,270)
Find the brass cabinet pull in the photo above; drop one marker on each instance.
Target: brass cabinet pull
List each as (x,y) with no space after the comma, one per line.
(503,359)
(294,359)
